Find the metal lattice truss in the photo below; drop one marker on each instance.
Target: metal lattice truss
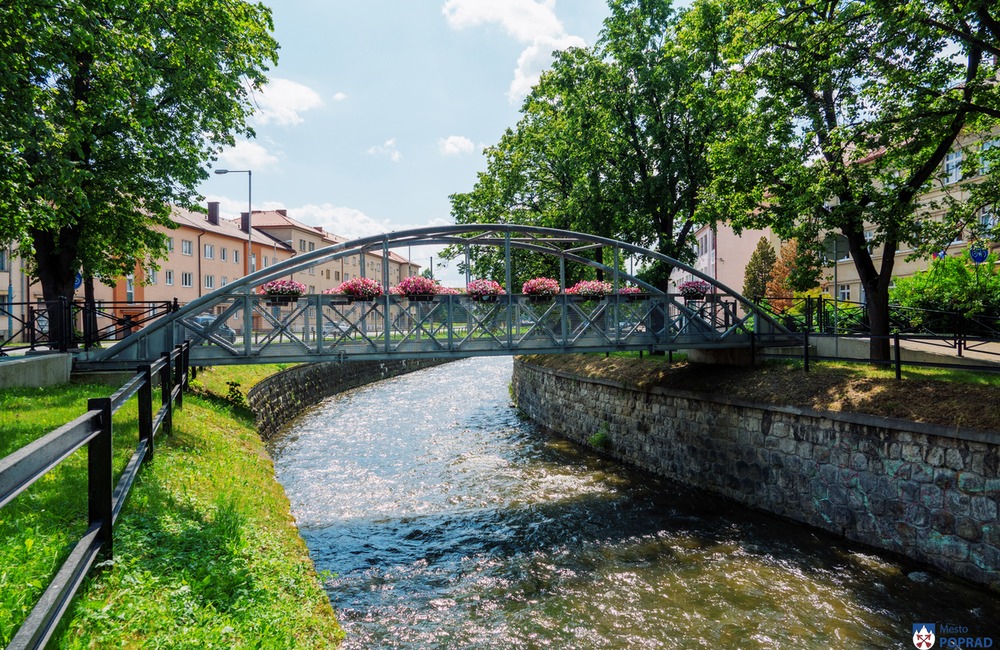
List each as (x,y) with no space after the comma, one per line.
(238,325)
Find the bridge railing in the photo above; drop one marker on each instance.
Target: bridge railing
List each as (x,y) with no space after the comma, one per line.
(297,328)
(21,469)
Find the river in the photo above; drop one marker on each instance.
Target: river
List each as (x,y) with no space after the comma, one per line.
(444,520)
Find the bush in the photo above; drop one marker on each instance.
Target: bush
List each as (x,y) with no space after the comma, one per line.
(951,284)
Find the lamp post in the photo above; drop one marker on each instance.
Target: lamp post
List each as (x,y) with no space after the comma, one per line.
(249,174)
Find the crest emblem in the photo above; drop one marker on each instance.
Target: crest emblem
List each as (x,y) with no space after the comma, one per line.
(923,635)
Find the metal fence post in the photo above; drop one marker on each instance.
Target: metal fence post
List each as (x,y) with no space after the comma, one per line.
(165,390)
(146,409)
(805,350)
(179,372)
(100,486)
(899,363)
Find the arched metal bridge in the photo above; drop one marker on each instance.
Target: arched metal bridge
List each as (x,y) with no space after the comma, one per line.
(238,325)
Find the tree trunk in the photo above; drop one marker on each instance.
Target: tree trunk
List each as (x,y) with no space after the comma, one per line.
(57,260)
(877,302)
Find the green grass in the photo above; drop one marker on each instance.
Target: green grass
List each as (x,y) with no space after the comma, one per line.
(205,553)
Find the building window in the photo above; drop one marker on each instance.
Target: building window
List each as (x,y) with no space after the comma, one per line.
(187,247)
(151,276)
(953,167)
(328,274)
(209,252)
(266,262)
(984,164)
(170,244)
(336,276)
(224,281)
(987,217)
(168,278)
(3,260)
(209,281)
(222,254)
(236,256)
(302,245)
(844,292)
(312,246)
(187,279)
(312,270)
(253,262)
(312,288)
(130,288)
(869,236)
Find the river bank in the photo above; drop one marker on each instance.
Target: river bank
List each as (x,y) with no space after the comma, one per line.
(206,552)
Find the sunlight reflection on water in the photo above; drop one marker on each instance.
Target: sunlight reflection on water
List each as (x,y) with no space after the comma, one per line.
(451,523)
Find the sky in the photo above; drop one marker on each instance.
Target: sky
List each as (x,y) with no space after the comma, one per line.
(377,111)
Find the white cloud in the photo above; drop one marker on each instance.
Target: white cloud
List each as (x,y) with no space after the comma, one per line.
(534,60)
(339,97)
(388,150)
(525,20)
(246,155)
(283,101)
(533,22)
(455,145)
(345,222)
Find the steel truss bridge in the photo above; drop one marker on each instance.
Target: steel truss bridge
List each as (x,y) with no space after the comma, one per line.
(238,325)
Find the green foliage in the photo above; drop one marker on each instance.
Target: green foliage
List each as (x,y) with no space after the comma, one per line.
(953,284)
(234,395)
(601,438)
(110,112)
(850,123)
(612,141)
(758,271)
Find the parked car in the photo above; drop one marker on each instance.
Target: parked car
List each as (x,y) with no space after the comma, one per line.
(334,329)
(206,321)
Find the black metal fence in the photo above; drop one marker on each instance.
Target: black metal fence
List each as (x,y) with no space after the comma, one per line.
(21,469)
(32,325)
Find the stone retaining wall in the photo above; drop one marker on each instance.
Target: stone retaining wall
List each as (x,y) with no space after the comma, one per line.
(281,397)
(923,491)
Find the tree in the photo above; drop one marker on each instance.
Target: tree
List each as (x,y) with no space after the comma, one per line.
(757,275)
(614,139)
(856,105)
(779,287)
(110,111)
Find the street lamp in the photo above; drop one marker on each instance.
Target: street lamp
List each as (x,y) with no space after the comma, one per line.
(249,174)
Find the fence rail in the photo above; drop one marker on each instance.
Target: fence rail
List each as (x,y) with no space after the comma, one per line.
(32,324)
(21,469)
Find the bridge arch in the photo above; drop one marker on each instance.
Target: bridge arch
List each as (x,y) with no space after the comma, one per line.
(236,324)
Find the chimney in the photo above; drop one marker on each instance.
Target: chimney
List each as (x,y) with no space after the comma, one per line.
(245,221)
(213,213)
(282,212)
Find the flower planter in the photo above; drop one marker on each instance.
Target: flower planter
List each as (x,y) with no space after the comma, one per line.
(635,297)
(539,299)
(421,297)
(280,301)
(340,300)
(486,298)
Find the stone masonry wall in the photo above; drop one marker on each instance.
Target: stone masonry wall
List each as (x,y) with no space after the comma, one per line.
(923,491)
(281,397)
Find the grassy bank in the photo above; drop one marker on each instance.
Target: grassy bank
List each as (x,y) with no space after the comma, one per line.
(205,551)
(937,396)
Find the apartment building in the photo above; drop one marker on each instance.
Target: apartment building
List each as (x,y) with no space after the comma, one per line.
(206,253)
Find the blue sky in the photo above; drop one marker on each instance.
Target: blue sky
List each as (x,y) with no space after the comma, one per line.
(378,110)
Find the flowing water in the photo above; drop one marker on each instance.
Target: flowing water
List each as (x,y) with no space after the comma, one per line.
(447,521)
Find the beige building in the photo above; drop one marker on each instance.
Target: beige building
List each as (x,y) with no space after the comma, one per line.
(206,253)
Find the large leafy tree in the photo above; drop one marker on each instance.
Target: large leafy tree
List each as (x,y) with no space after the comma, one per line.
(757,275)
(856,105)
(614,139)
(109,111)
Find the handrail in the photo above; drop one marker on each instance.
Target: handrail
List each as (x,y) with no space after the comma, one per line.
(19,470)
